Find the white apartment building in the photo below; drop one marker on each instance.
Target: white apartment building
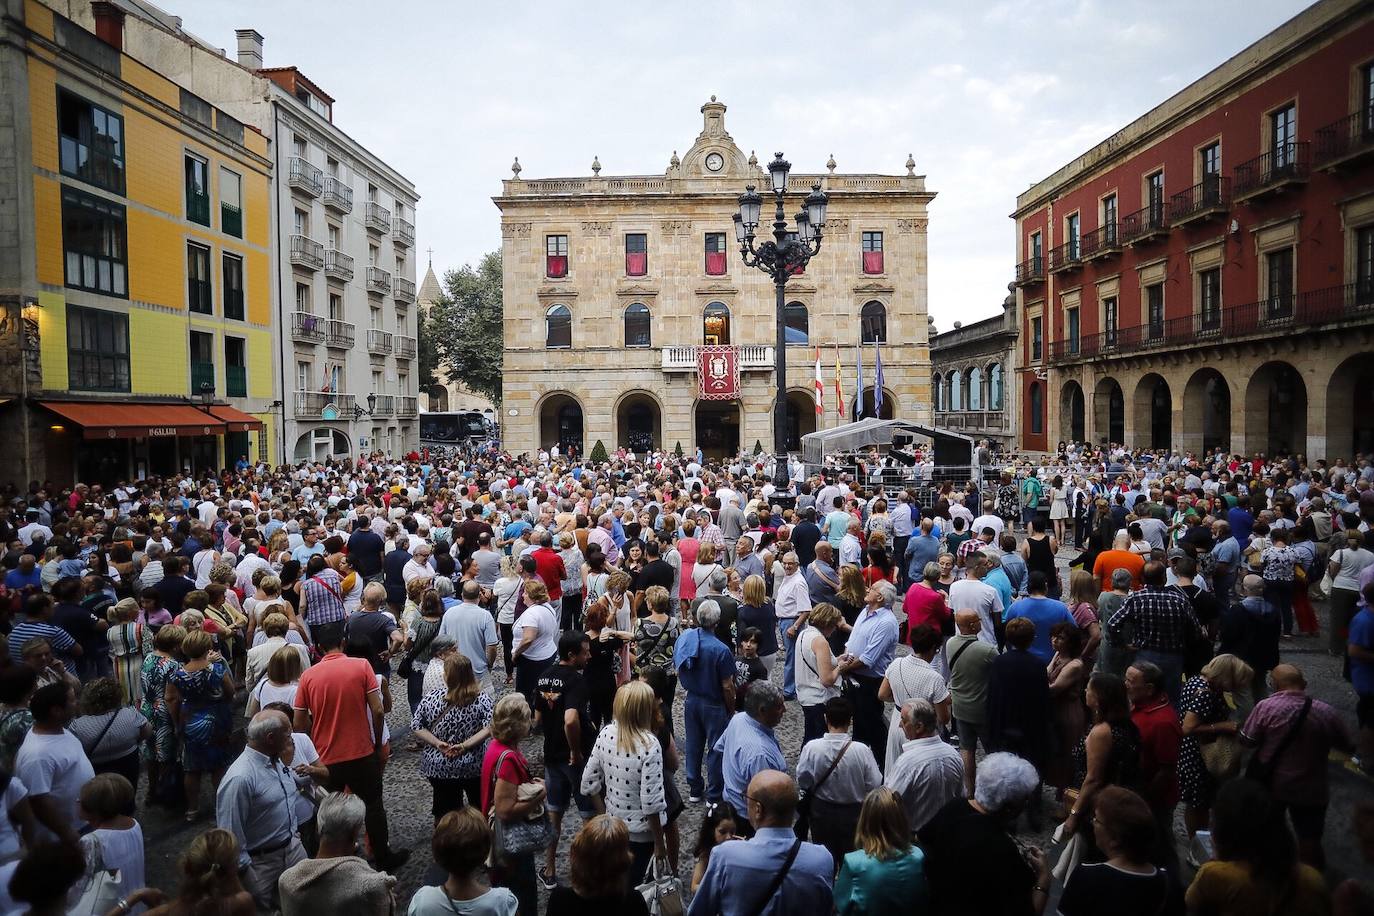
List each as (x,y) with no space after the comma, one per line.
(343,238)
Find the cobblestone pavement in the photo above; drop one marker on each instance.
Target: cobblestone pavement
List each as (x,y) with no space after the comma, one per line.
(408,794)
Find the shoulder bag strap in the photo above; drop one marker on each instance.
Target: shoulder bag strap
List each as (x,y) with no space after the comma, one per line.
(422,645)
(776,884)
(1289,735)
(326,586)
(955,660)
(830,769)
(495,774)
(101,737)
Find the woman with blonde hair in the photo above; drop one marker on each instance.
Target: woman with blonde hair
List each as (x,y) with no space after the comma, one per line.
(283,677)
(655,635)
(1083,595)
(198,698)
(626,763)
(599,863)
(537,649)
(688,547)
(505,776)
(705,565)
(454,725)
(1205,716)
(130,641)
(757,611)
(818,674)
(508,593)
(885,874)
(210,879)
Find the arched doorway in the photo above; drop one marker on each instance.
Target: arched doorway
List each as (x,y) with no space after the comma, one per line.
(639,423)
(323,443)
(1349,422)
(1276,410)
(801,417)
(717,429)
(886,411)
(1109,411)
(438,399)
(1154,408)
(1206,412)
(1072,413)
(560,423)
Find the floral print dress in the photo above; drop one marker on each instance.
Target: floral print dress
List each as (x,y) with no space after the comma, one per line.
(206,718)
(162,746)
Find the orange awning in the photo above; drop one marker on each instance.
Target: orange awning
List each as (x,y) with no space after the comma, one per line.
(125,420)
(236,420)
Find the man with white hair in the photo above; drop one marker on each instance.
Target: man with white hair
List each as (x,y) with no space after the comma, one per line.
(929,773)
(706,670)
(337,880)
(252,803)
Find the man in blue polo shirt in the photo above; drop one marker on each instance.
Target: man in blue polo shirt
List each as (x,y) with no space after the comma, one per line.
(1043,611)
(706,671)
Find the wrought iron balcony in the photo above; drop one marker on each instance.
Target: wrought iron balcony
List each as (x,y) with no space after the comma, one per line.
(307,328)
(236,381)
(752,358)
(337,196)
(337,264)
(1284,166)
(1208,199)
(1346,142)
(378,280)
(406,347)
(376,217)
(403,231)
(1102,242)
(407,406)
(306,252)
(1030,271)
(323,405)
(404,290)
(385,405)
(339,334)
(379,341)
(202,378)
(1067,256)
(1145,225)
(305,177)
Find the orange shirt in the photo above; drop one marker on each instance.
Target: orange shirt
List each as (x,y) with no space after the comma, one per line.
(335,690)
(1108,561)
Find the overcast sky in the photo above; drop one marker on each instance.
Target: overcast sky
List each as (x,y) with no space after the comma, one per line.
(988,97)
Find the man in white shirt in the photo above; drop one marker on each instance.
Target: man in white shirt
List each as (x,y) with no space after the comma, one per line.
(989,519)
(930,773)
(53,765)
(957,509)
(851,548)
(474,630)
(971,593)
(839,772)
(792,602)
(32,527)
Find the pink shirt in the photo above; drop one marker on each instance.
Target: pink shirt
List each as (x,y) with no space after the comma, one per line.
(924,605)
(1300,775)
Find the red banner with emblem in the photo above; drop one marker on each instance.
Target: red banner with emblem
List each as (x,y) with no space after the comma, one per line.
(718,369)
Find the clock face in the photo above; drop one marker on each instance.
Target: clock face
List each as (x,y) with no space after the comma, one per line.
(715,162)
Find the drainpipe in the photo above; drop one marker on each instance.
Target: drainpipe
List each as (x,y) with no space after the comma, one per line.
(281,294)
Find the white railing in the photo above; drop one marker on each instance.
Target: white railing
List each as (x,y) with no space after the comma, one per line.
(751,357)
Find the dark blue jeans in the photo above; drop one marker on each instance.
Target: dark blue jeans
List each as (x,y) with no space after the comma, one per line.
(705,721)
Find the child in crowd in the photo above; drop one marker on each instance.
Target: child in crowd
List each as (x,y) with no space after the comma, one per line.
(748,665)
(151,613)
(717,827)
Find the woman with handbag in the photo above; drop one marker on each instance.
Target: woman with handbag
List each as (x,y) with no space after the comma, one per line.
(110,732)
(113,846)
(419,637)
(454,726)
(1206,718)
(599,861)
(514,802)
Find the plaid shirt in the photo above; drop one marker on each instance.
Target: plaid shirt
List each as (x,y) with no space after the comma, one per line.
(1162,619)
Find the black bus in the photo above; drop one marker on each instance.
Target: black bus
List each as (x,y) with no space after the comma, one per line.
(455,428)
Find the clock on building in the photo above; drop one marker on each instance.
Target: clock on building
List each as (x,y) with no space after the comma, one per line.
(715,162)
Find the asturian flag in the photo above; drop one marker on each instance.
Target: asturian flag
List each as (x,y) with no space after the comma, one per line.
(820,386)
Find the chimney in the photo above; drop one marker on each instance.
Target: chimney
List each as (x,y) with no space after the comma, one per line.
(250,48)
(109,23)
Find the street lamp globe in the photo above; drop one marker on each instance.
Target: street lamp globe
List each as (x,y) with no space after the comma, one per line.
(805,230)
(739,229)
(750,205)
(816,203)
(777,172)
(372,402)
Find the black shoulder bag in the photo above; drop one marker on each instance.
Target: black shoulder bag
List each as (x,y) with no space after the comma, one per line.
(777,879)
(407,666)
(803,825)
(1262,771)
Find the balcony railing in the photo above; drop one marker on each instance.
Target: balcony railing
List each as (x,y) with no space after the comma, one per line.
(1031,270)
(385,406)
(752,357)
(307,328)
(1145,225)
(404,290)
(337,195)
(406,347)
(376,217)
(403,231)
(338,334)
(236,381)
(305,177)
(1067,256)
(1102,242)
(1346,141)
(378,280)
(306,252)
(378,341)
(233,304)
(311,405)
(990,420)
(1284,165)
(1282,315)
(1209,198)
(198,208)
(407,406)
(231,220)
(202,378)
(337,264)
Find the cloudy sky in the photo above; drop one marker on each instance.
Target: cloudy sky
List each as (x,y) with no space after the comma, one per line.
(988,96)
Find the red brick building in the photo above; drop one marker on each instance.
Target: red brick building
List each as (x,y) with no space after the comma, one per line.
(1205,277)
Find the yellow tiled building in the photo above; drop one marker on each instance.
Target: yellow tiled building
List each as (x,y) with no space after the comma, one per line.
(136,292)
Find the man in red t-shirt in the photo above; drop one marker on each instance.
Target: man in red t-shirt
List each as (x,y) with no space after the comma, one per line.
(331,706)
(1160,734)
(549,566)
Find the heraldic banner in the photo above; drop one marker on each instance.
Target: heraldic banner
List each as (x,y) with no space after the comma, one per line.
(718,369)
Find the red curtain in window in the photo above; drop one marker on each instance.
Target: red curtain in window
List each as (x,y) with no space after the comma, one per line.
(873,262)
(557,265)
(636,263)
(715,263)
(798,270)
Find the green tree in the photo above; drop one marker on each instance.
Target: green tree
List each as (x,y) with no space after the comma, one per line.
(466,324)
(427,337)
(599,455)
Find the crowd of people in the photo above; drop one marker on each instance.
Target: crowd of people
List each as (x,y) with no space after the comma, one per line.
(1089,643)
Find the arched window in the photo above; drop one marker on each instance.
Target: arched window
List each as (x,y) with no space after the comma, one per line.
(1037,408)
(995,387)
(955,390)
(637,332)
(715,324)
(798,326)
(937,392)
(558,328)
(975,389)
(873,322)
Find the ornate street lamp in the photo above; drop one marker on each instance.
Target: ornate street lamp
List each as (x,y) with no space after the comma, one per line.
(787,254)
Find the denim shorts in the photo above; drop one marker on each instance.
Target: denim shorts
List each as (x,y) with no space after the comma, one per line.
(563,783)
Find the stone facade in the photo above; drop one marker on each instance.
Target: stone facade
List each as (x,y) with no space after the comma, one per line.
(594,383)
(973,386)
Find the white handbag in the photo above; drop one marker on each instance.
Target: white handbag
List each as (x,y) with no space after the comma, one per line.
(103,890)
(663,891)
